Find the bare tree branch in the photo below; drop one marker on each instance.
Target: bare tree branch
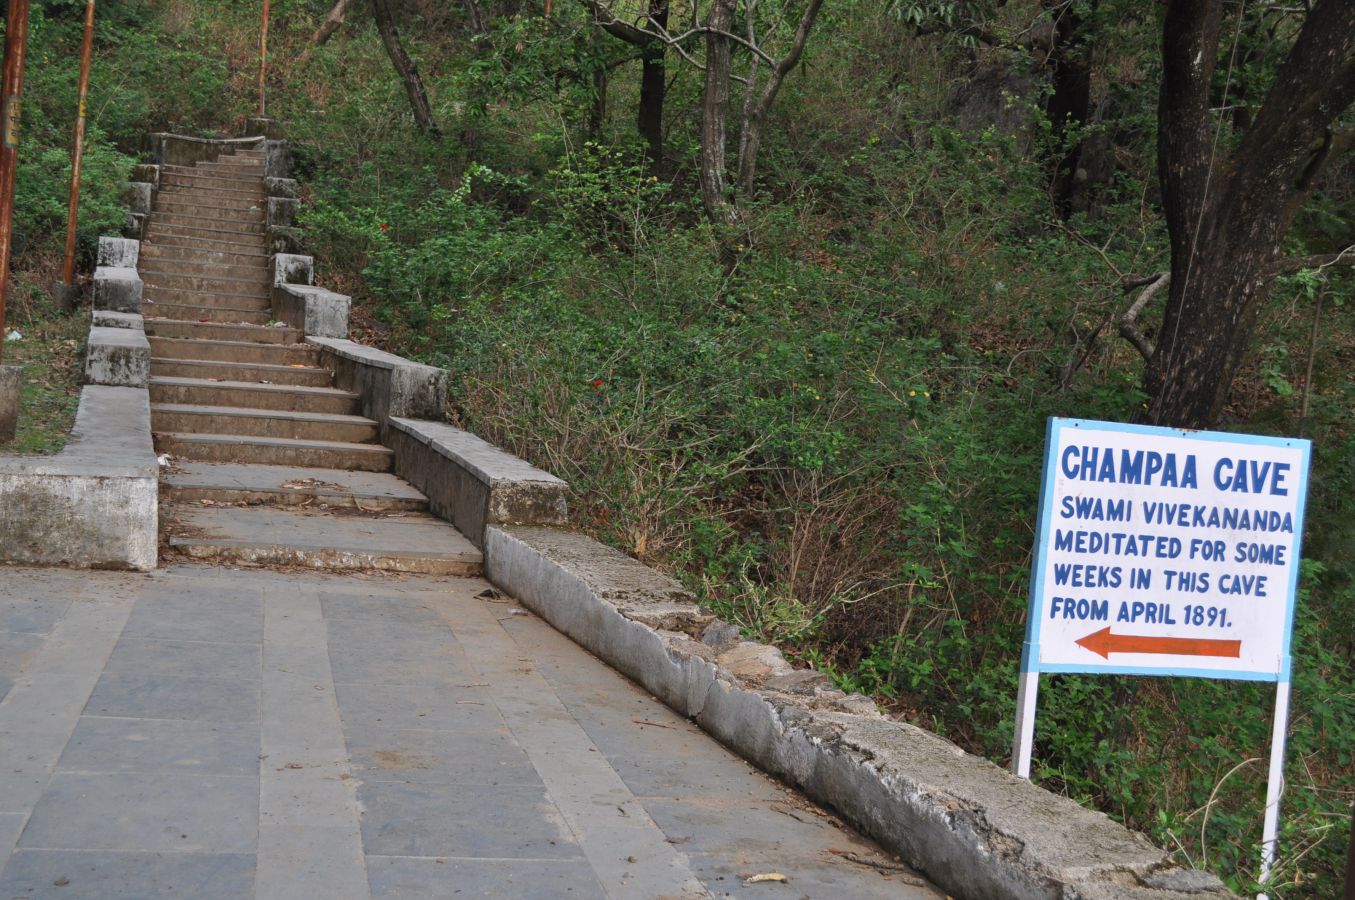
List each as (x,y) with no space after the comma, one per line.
(1128,324)
(1290,265)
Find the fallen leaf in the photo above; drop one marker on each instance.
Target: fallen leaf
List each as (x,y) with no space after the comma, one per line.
(766,876)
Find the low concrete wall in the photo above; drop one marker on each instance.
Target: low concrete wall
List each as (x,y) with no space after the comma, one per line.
(118,355)
(390,385)
(182,150)
(94,505)
(316,311)
(472,483)
(117,284)
(973,828)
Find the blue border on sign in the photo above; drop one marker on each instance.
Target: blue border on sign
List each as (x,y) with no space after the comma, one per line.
(1030,650)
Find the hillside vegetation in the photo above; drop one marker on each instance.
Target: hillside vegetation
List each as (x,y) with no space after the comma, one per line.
(826,412)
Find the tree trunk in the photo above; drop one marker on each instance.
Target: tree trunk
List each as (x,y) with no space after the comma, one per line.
(755,116)
(331,23)
(404,67)
(477,19)
(1070,102)
(1227,218)
(653,86)
(714,112)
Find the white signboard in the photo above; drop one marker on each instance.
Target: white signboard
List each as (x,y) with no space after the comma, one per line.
(1166,552)
(1163,552)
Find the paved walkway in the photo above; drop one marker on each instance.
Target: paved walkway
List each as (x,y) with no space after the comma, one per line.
(214,733)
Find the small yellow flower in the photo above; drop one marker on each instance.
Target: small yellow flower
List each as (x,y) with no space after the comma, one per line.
(912,393)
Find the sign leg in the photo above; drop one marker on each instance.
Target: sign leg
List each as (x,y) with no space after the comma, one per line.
(1026,694)
(1275,783)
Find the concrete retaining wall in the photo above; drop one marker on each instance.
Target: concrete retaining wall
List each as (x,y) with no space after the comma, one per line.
(94,505)
(182,150)
(472,483)
(390,385)
(972,827)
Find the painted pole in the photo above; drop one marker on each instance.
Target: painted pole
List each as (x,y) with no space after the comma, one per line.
(1350,859)
(78,148)
(1270,828)
(263,62)
(11,92)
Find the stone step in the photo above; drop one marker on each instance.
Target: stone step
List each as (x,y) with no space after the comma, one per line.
(173,254)
(309,376)
(225,314)
(231,170)
(254,272)
(241,200)
(203,239)
(168,207)
(252,395)
(249,354)
(178,175)
(228,229)
(230,448)
(213,331)
(209,299)
(264,535)
(306,426)
(194,184)
(194,481)
(212,284)
(243,158)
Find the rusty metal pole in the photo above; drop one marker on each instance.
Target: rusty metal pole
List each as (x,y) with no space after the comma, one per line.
(1350,859)
(263,62)
(11,92)
(78,148)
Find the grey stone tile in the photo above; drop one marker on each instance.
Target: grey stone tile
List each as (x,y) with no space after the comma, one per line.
(456,705)
(31,616)
(5,684)
(17,650)
(463,820)
(449,757)
(26,763)
(88,875)
(316,796)
(11,825)
(185,659)
(395,662)
(201,617)
(377,608)
(309,863)
(161,745)
(499,879)
(152,812)
(138,696)
(821,877)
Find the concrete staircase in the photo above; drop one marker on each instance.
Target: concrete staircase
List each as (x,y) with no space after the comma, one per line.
(272,464)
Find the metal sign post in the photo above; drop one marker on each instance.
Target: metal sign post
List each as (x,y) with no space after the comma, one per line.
(263,62)
(1166,552)
(11,93)
(78,147)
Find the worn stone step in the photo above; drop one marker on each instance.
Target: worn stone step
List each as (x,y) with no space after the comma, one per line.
(195,184)
(234,352)
(238,287)
(264,535)
(230,448)
(307,426)
(212,299)
(226,229)
(242,158)
(195,481)
(166,208)
(223,314)
(174,254)
(252,395)
(241,200)
(213,331)
(227,170)
(178,175)
(296,373)
(204,238)
(255,272)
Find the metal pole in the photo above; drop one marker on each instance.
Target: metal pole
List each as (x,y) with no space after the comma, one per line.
(263,61)
(78,149)
(1270,829)
(1350,859)
(11,90)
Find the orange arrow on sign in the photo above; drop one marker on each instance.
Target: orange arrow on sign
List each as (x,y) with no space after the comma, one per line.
(1104,643)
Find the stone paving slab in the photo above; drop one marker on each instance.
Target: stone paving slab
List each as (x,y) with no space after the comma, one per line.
(337,486)
(207,733)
